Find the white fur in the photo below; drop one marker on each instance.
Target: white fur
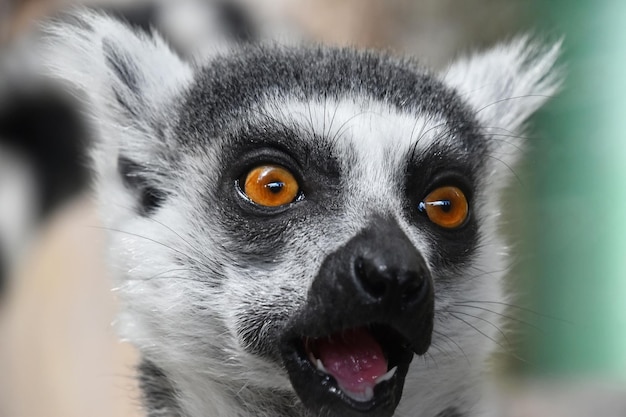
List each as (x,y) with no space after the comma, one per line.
(506,85)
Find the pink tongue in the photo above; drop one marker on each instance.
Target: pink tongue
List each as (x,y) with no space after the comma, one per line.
(354,358)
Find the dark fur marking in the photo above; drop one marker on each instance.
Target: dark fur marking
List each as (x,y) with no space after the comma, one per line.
(124,104)
(159,395)
(450,412)
(150,198)
(123,67)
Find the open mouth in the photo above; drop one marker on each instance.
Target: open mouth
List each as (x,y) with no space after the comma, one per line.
(355,359)
(359,369)
(368,311)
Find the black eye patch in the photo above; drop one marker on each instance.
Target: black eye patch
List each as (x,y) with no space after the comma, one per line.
(429,172)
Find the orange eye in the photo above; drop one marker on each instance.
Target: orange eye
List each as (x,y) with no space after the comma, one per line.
(271,186)
(446,207)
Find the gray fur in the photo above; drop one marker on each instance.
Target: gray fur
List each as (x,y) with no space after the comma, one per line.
(207,286)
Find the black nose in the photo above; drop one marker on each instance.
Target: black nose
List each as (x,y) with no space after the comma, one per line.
(385,279)
(377,277)
(380,268)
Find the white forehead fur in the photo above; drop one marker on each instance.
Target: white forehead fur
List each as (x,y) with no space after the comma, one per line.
(372,141)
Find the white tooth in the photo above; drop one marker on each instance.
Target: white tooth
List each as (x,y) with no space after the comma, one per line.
(320,366)
(361,396)
(387,376)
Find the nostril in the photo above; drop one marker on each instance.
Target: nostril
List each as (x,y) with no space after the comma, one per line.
(377,280)
(371,280)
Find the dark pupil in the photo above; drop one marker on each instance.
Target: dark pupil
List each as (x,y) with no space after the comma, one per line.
(275,187)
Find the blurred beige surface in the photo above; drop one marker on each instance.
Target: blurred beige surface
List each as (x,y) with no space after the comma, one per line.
(59,355)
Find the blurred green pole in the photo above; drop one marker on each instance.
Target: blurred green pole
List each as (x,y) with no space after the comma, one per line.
(580,198)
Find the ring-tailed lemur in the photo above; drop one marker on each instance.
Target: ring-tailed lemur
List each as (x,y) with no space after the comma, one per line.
(303,231)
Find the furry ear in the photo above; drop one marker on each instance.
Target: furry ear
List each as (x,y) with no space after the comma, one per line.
(129,83)
(132,72)
(127,79)
(508,83)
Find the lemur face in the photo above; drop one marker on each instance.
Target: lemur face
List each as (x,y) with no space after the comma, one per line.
(338,211)
(303,231)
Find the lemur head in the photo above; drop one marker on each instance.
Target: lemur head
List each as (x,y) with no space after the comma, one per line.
(303,231)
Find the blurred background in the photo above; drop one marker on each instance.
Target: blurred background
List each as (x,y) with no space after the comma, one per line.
(563,352)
